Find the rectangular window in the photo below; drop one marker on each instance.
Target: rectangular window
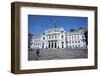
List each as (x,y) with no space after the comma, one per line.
(72,37)
(49,37)
(69,41)
(55,36)
(62,36)
(52,36)
(78,37)
(42,43)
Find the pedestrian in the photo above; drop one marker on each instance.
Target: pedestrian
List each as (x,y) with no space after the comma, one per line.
(37,52)
(58,47)
(46,48)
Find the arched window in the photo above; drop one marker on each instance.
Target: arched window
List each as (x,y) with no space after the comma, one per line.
(52,44)
(62,44)
(43,38)
(62,31)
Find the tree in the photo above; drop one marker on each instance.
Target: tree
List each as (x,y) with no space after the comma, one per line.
(80,27)
(72,30)
(29,40)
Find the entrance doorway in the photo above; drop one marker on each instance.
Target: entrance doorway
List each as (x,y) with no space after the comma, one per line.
(52,44)
(49,45)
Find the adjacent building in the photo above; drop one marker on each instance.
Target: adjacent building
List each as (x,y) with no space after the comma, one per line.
(76,39)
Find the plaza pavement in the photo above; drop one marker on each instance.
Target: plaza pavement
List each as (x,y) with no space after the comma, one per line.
(65,53)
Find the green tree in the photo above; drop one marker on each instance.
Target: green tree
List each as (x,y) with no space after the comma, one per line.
(72,30)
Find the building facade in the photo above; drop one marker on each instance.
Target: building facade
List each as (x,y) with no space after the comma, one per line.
(76,39)
(59,38)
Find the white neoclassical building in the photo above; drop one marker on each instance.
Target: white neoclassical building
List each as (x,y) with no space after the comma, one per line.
(76,39)
(56,37)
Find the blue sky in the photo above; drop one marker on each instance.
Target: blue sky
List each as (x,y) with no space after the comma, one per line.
(37,24)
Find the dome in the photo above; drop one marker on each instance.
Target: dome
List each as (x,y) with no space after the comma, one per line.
(54,28)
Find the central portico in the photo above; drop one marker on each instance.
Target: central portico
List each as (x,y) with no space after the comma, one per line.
(52,43)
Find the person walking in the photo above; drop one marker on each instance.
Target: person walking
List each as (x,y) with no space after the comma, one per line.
(37,52)
(46,48)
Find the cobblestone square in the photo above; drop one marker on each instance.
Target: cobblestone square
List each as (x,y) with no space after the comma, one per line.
(64,53)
